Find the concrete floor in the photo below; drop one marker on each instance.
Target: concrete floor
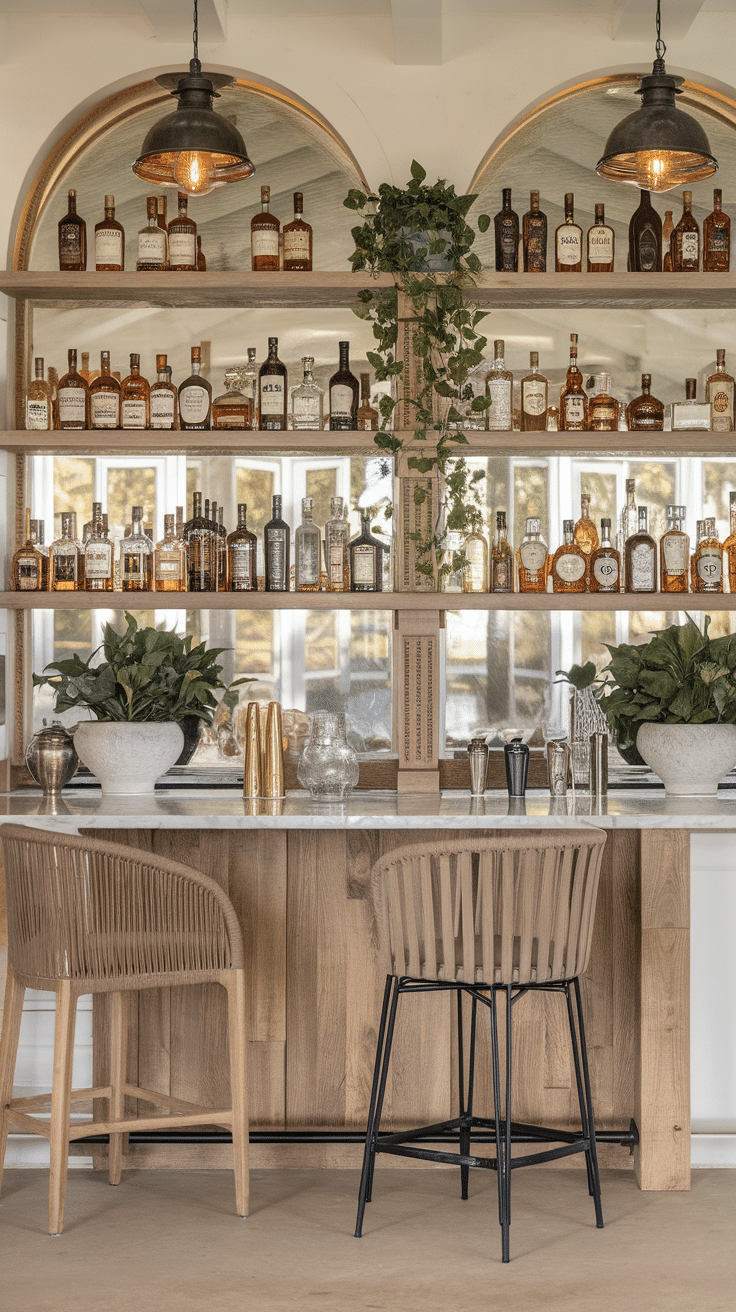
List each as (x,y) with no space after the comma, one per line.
(168,1241)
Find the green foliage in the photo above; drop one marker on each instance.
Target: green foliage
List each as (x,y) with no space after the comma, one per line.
(147,674)
(579,676)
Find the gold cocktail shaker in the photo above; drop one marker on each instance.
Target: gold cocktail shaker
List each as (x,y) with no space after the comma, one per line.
(273,778)
(252,773)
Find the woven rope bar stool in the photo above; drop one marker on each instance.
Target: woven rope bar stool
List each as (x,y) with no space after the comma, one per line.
(510,915)
(95,917)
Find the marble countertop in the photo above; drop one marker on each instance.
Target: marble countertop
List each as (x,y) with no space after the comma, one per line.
(227,809)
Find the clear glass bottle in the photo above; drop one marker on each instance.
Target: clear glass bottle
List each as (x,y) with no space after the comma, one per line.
(72,238)
(640,558)
(72,406)
(39,404)
(344,394)
(151,241)
(276,550)
(231,409)
(307,550)
(709,560)
(183,239)
(337,564)
(170,561)
(135,397)
(729,546)
(367,418)
(534,237)
(98,555)
(198,541)
(265,231)
(601,244)
(452,580)
(136,556)
(164,408)
(297,240)
(569,241)
(573,399)
(534,398)
(502,558)
(569,567)
(685,240)
(645,238)
(645,412)
(104,396)
(719,393)
(272,391)
(64,564)
(475,574)
(585,533)
(366,559)
(717,237)
(109,241)
(506,226)
(605,563)
(500,391)
(603,408)
(532,559)
(195,397)
(691,413)
(242,549)
(26,570)
(674,553)
(306,399)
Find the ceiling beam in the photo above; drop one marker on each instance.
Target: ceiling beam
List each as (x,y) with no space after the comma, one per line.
(417,31)
(636,20)
(172,20)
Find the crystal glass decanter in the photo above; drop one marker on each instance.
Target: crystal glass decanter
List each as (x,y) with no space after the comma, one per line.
(328,765)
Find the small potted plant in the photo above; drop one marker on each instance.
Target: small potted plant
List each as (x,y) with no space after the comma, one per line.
(150,684)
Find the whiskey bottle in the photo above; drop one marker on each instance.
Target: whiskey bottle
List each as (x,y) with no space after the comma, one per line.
(668,228)
(72,239)
(499,390)
(39,406)
(136,556)
(573,400)
(719,393)
(64,563)
(502,558)
(569,241)
(195,396)
(534,394)
(645,411)
(640,558)
(685,240)
(164,409)
(475,573)
(603,408)
(231,408)
(98,555)
(264,236)
(601,244)
(336,548)
(201,257)
(605,563)
(197,538)
(585,533)
(506,224)
(272,390)
(367,417)
(104,396)
(241,556)
(532,559)
(161,206)
(26,570)
(716,238)
(72,398)
(297,240)
(169,561)
(366,559)
(709,560)
(729,546)
(307,551)
(109,241)
(276,550)
(645,238)
(135,397)
(690,413)
(569,564)
(534,237)
(151,241)
(344,394)
(183,239)
(306,399)
(674,553)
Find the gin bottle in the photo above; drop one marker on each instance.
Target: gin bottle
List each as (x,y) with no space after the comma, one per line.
(306,399)
(276,550)
(151,241)
(307,550)
(475,573)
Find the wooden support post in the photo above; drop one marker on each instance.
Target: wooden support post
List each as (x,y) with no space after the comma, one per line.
(412,517)
(417,699)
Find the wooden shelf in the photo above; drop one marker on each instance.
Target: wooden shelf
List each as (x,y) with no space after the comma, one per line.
(404,601)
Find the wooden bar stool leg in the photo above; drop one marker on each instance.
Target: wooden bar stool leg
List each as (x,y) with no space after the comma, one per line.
(61,1087)
(234,982)
(118,1022)
(12,1014)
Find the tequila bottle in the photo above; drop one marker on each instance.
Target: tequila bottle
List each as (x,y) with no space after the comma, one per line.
(502,558)
(366,420)
(475,574)
(573,400)
(709,560)
(674,553)
(264,236)
(72,238)
(272,390)
(605,563)
(685,240)
(645,238)
(297,240)
(98,555)
(569,241)
(170,561)
(366,559)
(569,564)
(343,394)
(719,393)
(195,396)
(151,241)
(645,412)
(64,563)
(231,408)
(104,396)
(601,244)
(717,238)
(640,558)
(39,405)
(306,399)
(603,408)
(183,239)
(136,556)
(307,550)
(242,549)
(135,397)
(336,548)
(109,241)
(197,537)
(585,533)
(499,390)
(72,405)
(534,237)
(532,559)
(26,571)
(164,409)
(534,396)
(506,225)
(729,546)
(276,550)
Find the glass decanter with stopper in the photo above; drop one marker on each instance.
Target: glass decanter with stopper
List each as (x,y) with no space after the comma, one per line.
(328,766)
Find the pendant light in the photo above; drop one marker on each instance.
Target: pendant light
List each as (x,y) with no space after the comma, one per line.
(658,147)
(193,149)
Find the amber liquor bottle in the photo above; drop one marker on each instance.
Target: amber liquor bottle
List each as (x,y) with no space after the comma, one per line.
(645,238)
(26,571)
(242,548)
(109,241)
(601,244)
(719,393)
(569,241)
(717,238)
(674,553)
(605,563)
(685,240)
(640,558)
(265,230)
(534,237)
(170,561)
(645,411)
(195,396)
(668,228)
(276,550)
(506,224)
(534,396)
(366,560)
(104,397)
(72,239)
(297,240)
(573,400)
(39,405)
(502,558)
(729,546)
(603,408)
(164,409)
(585,533)
(231,409)
(98,555)
(272,390)
(344,394)
(569,564)
(135,397)
(709,560)
(367,417)
(532,559)
(64,561)
(72,405)
(183,239)
(198,540)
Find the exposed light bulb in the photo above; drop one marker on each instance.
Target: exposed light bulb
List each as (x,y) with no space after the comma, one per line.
(194,172)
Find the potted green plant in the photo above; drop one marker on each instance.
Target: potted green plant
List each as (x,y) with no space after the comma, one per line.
(149,686)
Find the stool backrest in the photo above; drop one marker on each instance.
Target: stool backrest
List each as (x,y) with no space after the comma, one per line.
(515,908)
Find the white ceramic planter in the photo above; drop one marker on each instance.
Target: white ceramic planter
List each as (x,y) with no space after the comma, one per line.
(690,759)
(128,758)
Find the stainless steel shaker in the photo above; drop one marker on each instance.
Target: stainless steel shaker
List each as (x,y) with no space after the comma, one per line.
(478,754)
(516,759)
(51,758)
(558,766)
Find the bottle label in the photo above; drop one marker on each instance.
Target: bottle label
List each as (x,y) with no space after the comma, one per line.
(133,566)
(363,559)
(152,246)
(336,561)
(718,242)
(341,402)
(532,556)
(569,244)
(570,568)
(98,560)
(241,567)
(272,394)
(500,575)
(166,568)
(499,415)
(182,249)
(534,397)
(37,414)
(296,244)
(722,410)
(276,549)
(574,410)
(536,247)
(690,246)
(643,568)
(603,417)
(675,552)
(65,565)
(709,568)
(690,414)
(308,559)
(109,246)
(600,245)
(231,419)
(70,244)
(162,409)
(134,414)
(28,575)
(72,406)
(264,241)
(105,407)
(647,249)
(605,572)
(306,410)
(194,404)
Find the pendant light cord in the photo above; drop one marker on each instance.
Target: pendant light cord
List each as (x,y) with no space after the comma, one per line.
(195,33)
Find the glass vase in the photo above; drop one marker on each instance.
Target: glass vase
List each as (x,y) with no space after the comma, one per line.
(328,765)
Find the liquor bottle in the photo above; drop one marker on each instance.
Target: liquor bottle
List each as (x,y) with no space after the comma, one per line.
(170,561)
(249,385)
(506,224)
(39,405)
(629,517)
(104,397)
(222,557)
(569,241)
(640,558)
(717,238)
(195,396)
(668,228)
(36,539)
(64,563)
(72,239)
(264,236)
(585,533)
(645,411)
(570,564)
(72,406)
(698,535)
(164,409)
(336,548)
(534,237)
(674,553)
(297,240)
(272,390)
(163,225)
(136,556)
(26,570)
(729,546)
(344,394)
(306,399)
(605,563)
(366,559)
(307,551)
(151,241)
(367,417)
(475,573)
(98,555)
(135,397)
(532,559)
(690,413)
(709,560)
(109,241)
(500,390)
(218,546)
(201,257)
(276,544)
(197,537)
(502,558)
(183,239)
(534,395)
(645,238)
(685,240)
(231,408)
(573,400)
(85,371)
(601,244)
(603,408)
(719,393)
(242,547)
